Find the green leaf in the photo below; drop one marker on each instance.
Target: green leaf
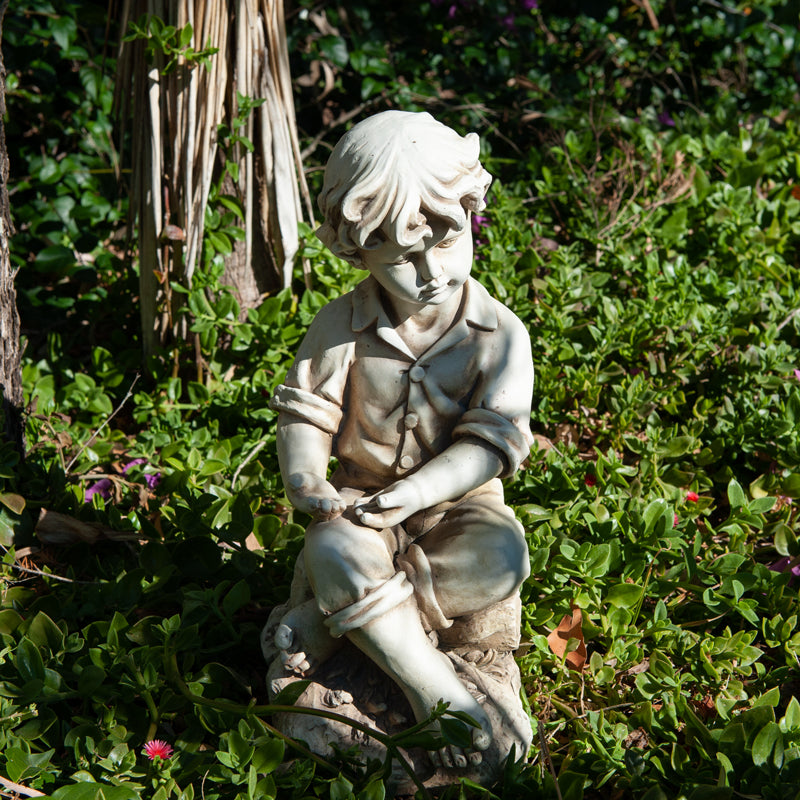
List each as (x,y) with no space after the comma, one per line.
(624,595)
(736,496)
(269,755)
(28,661)
(340,788)
(289,694)
(769,698)
(198,393)
(240,749)
(785,541)
(186,35)
(677,446)
(762,505)
(13,502)
(765,742)
(10,620)
(63,29)
(241,517)
(334,48)
(375,790)
(238,596)
(55,259)
(455,732)
(655,510)
(791,719)
(45,633)
(675,225)
(90,679)
(211,466)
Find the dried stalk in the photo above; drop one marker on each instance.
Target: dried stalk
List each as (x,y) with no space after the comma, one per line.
(174,147)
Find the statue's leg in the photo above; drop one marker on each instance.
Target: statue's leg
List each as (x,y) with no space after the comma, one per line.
(357,586)
(475,556)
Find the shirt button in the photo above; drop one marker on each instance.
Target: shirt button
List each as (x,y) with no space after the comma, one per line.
(416,374)
(406,462)
(410,421)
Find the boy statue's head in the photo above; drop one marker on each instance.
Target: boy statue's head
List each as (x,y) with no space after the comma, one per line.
(392,178)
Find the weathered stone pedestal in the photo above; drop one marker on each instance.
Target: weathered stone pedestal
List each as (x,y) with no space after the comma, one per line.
(351,685)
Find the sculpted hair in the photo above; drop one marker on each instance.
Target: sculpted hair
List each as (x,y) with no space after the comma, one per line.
(390,171)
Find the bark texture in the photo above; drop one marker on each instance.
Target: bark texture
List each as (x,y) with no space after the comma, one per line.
(10,370)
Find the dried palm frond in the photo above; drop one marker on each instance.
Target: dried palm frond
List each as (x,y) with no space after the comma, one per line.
(175,107)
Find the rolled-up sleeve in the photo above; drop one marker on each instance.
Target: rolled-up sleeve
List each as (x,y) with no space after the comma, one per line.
(311,407)
(509,438)
(500,408)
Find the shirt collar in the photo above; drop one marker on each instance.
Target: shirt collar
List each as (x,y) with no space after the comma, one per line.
(478,310)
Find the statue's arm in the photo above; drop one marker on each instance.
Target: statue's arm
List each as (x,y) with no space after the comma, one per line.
(490,441)
(467,464)
(304,451)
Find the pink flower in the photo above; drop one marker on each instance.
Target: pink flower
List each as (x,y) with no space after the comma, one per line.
(692,497)
(675,521)
(797,374)
(590,480)
(155,748)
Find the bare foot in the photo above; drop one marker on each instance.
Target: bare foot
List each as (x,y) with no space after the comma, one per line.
(302,639)
(440,682)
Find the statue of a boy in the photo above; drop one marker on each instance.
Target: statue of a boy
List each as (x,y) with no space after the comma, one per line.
(419,384)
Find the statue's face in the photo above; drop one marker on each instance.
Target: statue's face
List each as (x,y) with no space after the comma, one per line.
(429,272)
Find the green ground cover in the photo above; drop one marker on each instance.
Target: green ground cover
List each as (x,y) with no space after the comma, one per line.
(645,224)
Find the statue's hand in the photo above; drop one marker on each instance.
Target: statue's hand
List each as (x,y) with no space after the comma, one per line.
(314,495)
(392,506)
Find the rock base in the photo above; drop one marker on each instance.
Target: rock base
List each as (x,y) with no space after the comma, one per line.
(351,685)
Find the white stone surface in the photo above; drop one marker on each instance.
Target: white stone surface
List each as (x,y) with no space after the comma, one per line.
(419,384)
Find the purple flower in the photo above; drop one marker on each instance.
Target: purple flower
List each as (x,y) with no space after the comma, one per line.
(665,119)
(509,21)
(479,222)
(152,480)
(782,564)
(529,5)
(103,487)
(134,463)
(451,12)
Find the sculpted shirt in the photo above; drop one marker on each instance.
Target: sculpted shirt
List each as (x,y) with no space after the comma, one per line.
(390,411)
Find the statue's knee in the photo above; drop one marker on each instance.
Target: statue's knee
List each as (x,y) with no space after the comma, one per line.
(516,558)
(343,565)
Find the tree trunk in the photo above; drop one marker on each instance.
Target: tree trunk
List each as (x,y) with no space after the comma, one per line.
(10,370)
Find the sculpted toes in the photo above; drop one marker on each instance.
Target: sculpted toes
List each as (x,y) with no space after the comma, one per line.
(481,740)
(284,636)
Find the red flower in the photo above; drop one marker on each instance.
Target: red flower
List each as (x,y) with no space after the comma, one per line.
(155,748)
(692,497)
(590,480)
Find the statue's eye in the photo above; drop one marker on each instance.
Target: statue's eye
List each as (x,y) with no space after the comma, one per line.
(445,243)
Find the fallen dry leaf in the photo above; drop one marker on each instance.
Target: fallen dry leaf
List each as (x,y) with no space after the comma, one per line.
(55,528)
(569,628)
(637,738)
